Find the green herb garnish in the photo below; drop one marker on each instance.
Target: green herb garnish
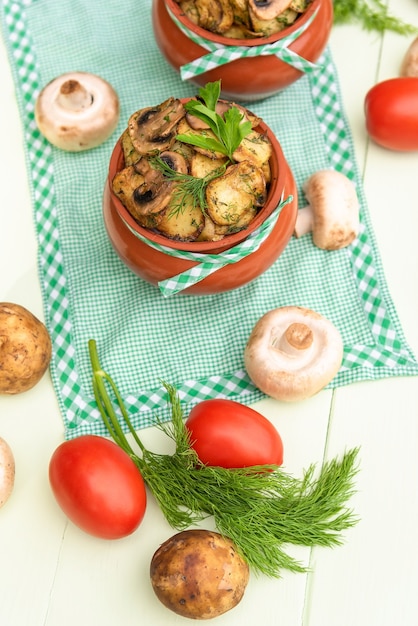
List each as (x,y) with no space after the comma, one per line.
(189,189)
(229,130)
(373,15)
(261,511)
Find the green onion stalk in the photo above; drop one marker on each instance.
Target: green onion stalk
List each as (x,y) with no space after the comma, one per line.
(262,509)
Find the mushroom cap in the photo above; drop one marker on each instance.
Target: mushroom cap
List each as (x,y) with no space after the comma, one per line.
(292,353)
(77,111)
(268,9)
(335,209)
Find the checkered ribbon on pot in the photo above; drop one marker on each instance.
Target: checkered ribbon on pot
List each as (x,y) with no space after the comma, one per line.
(195,343)
(220,55)
(207,264)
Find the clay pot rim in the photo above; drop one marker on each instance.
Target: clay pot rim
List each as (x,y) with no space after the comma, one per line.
(274,196)
(175,9)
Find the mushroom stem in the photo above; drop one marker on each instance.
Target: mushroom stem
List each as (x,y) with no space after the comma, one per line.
(73,96)
(297,337)
(304,221)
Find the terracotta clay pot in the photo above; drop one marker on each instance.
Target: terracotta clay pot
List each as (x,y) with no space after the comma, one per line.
(154,265)
(245,79)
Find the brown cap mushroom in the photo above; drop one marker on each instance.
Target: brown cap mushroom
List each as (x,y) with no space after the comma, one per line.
(268,9)
(332,213)
(77,111)
(292,353)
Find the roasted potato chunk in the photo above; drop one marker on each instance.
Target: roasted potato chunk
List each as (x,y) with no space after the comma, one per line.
(255,147)
(124,184)
(201,165)
(129,153)
(241,189)
(183,224)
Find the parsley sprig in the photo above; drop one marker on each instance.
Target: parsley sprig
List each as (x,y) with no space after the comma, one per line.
(229,130)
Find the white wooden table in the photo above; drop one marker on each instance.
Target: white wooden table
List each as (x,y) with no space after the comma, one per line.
(52,574)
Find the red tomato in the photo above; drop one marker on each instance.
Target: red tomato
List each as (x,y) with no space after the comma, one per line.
(228,434)
(98,486)
(391,109)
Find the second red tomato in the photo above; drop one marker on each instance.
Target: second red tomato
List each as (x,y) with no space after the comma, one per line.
(228,434)
(391,109)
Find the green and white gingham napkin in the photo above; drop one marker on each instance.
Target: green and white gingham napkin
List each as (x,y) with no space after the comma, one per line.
(193,342)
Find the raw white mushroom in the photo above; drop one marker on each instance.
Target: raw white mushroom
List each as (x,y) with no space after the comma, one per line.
(77,111)
(332,213)
(409,66)
(292,353)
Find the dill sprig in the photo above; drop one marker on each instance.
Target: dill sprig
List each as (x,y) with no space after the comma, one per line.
(189,189)
(373,15)
(262,509)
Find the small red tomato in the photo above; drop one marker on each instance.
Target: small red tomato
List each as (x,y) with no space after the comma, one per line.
(228,434)
(98,486)
(391,109)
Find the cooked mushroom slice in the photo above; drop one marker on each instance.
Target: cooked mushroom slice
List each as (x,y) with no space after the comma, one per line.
(77,111)
(152,197)
(332,212)
(247,115)
(201,165)
(255,147)
(236,192)
(274,25)
(175,161)
(215,15)
(292,353)
(151,174)
(142,194)
(268,9)
(129,153)
(154,128)
(183,224)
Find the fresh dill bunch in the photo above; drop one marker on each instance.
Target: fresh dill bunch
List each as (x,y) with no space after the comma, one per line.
(262,509)
(373,15)
(188,189)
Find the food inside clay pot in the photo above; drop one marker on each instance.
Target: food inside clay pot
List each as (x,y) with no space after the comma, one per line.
(243,19)
(195,170)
